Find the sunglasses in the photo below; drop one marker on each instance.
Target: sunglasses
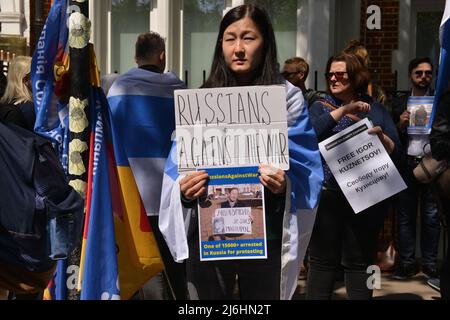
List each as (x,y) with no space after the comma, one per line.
(289,74)
(339,75)
(420,73)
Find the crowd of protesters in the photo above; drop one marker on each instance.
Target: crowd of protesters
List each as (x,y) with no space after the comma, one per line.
(246,55)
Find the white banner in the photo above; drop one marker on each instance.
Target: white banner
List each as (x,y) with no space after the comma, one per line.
(231,127)
(362,168)
(232,220)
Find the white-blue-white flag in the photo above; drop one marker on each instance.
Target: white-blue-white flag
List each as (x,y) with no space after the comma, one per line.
(444,61)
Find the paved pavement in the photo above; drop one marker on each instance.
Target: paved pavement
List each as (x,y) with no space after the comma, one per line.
(415,288)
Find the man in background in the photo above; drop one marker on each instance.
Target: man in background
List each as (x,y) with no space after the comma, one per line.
(296,70)
(143,120)
(420,76)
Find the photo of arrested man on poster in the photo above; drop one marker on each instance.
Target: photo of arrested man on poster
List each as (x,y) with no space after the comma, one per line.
(420,109)
(231,216)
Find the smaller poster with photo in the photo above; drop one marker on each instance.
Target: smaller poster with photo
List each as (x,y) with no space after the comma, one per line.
(232,216)
(420,109)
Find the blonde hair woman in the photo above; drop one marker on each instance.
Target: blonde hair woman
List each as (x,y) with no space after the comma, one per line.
(18,94)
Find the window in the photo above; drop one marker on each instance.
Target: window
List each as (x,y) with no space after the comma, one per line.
(129,18)
(201,20)
(283,14)
(427,37)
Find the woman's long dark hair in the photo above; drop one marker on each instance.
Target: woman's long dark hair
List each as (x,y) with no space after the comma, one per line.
(267,73)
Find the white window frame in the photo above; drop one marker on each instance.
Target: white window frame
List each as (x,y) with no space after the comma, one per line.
(163,17)
(15,18)
(178,37)
(407,36)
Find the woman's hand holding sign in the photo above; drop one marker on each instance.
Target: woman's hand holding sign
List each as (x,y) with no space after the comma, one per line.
(350,109)
(404,120)
(387,142)
(356,106)
(194,185)
(272,178)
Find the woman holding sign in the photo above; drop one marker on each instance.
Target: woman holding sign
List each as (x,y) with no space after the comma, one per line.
(340,236)
(245,55)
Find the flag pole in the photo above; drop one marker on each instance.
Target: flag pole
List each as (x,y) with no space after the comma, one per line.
(78,137)
(443,79)
(38,22)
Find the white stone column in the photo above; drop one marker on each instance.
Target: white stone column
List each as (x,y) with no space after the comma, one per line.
(160,21)
(173,44)
(160,17)
(315,36)
(99,13)
(165,18)
(400,57)
(348,17)
(12,17)
(26,21)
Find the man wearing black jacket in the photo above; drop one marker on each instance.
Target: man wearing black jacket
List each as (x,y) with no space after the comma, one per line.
(232,200)
(420,74)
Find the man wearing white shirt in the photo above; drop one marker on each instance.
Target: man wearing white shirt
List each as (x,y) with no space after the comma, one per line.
(421,75)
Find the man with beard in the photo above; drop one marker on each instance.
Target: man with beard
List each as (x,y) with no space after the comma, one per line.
(420,75)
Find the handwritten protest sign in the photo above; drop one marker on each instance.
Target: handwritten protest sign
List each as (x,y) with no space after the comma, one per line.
(231,220)
(231,127)
(362,168)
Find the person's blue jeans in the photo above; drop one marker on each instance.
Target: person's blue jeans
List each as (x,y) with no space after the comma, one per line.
(408,205)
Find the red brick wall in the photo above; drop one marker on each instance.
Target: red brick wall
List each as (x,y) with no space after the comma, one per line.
(381,43)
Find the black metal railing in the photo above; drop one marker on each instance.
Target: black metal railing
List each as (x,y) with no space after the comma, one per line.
(391,92)
(5,59)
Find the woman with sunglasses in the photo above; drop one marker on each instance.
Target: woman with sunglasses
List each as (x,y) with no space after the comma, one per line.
(358,49)
(340,236)
(246,55)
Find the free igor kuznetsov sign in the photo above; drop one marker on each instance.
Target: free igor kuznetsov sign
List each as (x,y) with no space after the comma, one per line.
(361,166)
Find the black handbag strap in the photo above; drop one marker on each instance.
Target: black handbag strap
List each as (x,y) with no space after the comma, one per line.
(425,170)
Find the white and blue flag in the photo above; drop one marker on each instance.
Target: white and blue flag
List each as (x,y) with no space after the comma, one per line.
(143,113)
(444,61)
